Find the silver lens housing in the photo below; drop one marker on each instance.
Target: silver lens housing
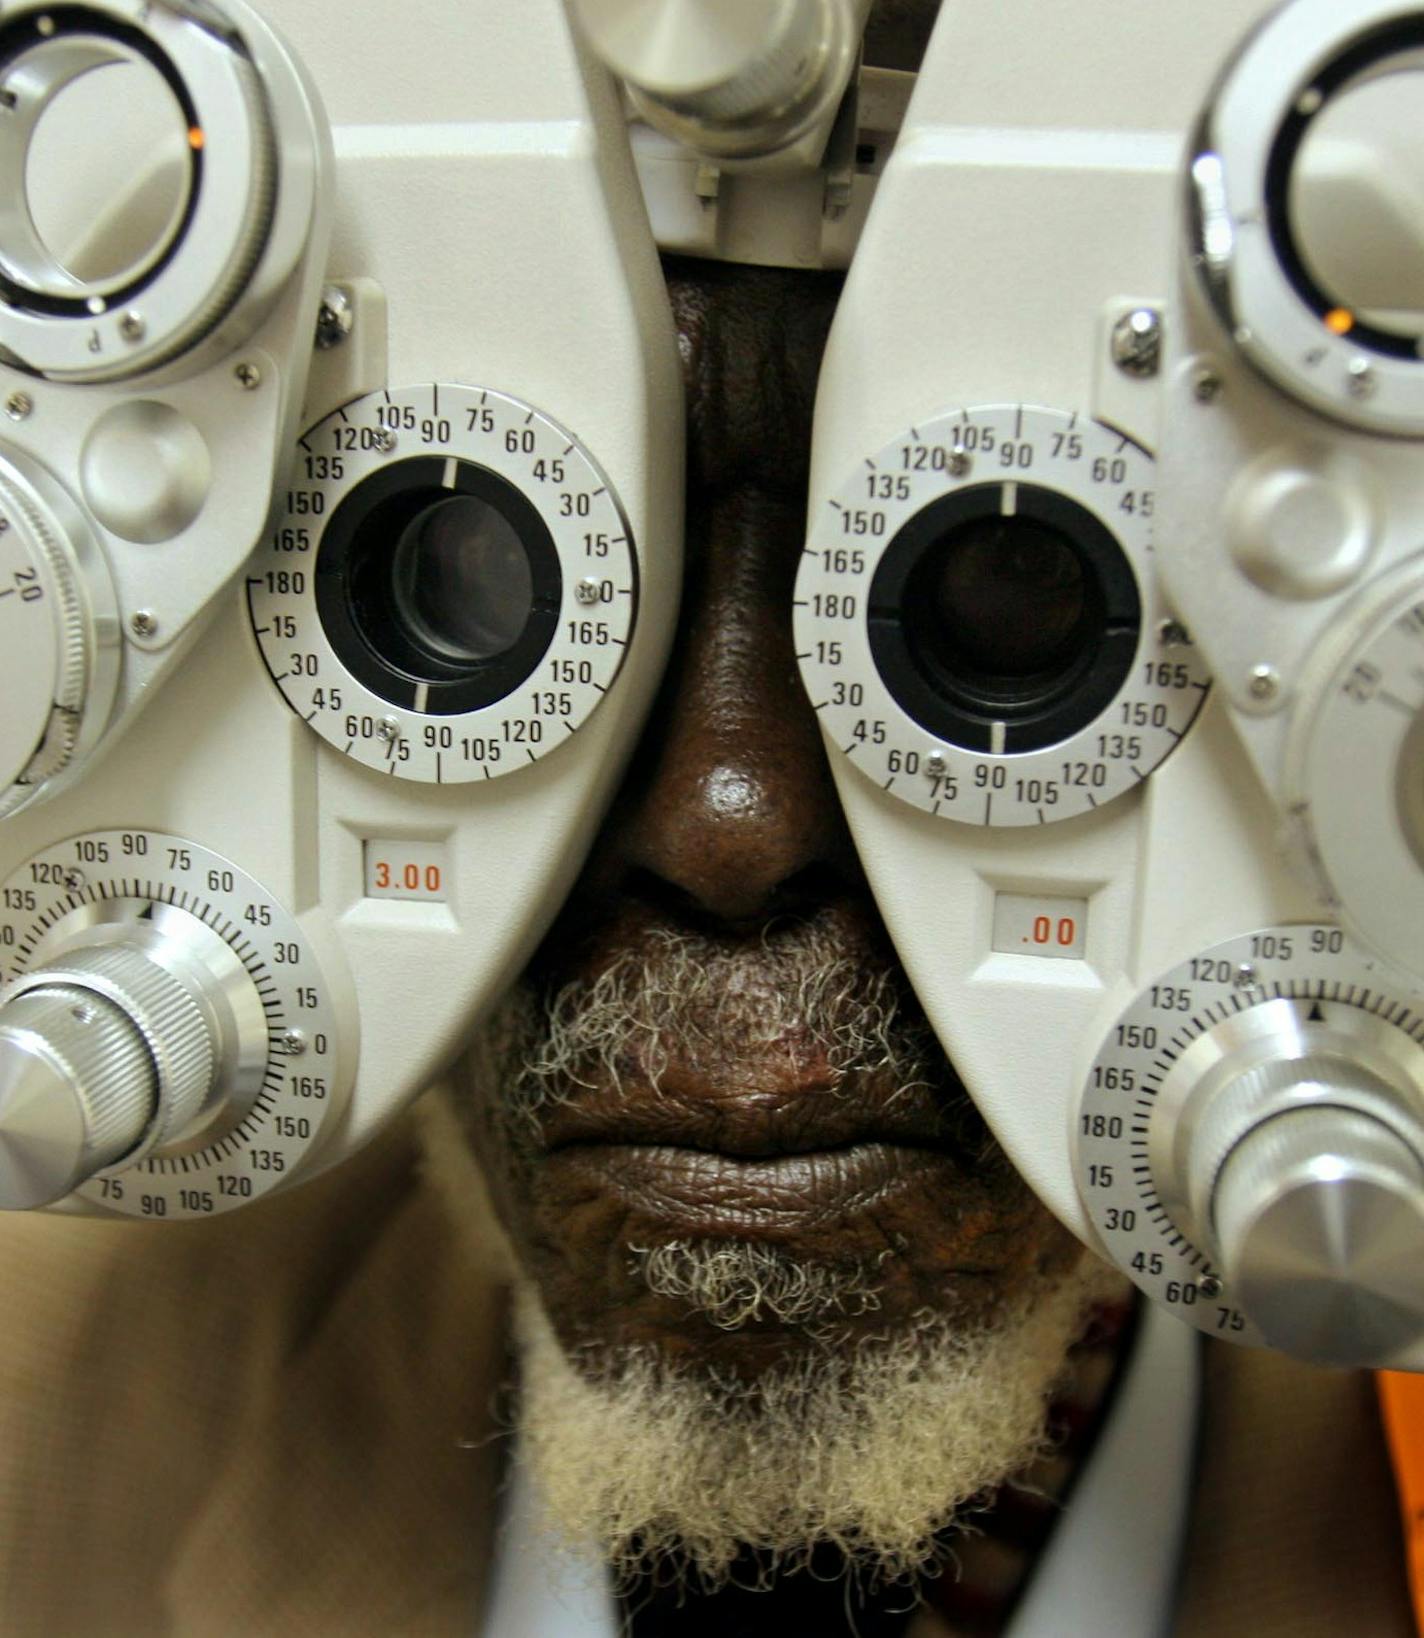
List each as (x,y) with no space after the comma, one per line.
(1232,206)
(65,329)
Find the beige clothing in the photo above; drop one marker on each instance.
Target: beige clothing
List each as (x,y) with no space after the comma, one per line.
(282,1422)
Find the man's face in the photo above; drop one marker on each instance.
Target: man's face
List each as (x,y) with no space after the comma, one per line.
(725,1144)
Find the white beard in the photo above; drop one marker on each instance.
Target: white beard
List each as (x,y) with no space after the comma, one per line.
(872,1450)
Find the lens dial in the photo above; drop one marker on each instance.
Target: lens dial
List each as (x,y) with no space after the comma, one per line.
(452,585)
(1304,197)
(1250,1147)
(168,1042)
(978,622)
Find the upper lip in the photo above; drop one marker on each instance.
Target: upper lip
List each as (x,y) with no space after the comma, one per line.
(751,1126)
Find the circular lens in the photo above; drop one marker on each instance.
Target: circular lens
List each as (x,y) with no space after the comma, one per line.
(1003,617)
(97,160)
(1356,198)
(438,585)
(1006,598)
(461,583)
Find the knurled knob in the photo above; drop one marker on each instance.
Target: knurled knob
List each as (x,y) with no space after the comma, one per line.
(105,1053)
(1317,1220)
(722,61)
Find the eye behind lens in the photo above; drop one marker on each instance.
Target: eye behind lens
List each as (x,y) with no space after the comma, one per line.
(438,585)
(1004,616)
(1001,604)
(460,582)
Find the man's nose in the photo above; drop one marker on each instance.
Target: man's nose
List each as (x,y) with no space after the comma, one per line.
(731,815)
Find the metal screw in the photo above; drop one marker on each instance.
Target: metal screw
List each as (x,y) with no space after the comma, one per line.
(1173,634)
(18,405)
(248,377)
(1361,381)
(45,25)
(1209,1285)
(132,327)
(1245,976)
(935,764)
(586,592)
(334,318)
(385,440)
(1265,683)
(143,623)
(388,728)
(959,463)
(74,880)
(294,1042)
(1137,342)
(1206,386)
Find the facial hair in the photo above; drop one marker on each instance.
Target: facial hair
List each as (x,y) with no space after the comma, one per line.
(870,1438)
(874,1452)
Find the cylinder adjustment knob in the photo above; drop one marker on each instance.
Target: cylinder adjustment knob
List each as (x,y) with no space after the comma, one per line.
(103,1056)
(732,79)
(720,59)
(1317,1220)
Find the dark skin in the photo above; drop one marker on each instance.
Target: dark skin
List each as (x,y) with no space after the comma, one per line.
(728,825)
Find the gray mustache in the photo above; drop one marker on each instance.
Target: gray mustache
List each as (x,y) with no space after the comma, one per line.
(680,994)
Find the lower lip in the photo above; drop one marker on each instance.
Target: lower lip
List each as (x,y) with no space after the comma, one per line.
(717,1190)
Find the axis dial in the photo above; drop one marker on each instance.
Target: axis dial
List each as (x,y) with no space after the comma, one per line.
(1250,1147)
(168,1042)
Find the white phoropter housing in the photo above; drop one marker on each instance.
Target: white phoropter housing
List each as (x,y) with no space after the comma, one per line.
(165,179)
(1015,255)
(354,923)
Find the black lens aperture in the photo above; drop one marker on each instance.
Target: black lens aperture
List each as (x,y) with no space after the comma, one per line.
(438,585)
(1004,617)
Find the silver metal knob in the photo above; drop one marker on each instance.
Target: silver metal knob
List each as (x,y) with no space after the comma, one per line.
(721,59)
(1317,1220)
(103,1055)
(730,78)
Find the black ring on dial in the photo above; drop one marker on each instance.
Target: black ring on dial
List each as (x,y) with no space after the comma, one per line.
(972,709)
(25,35)
(1389,40)
(353,577)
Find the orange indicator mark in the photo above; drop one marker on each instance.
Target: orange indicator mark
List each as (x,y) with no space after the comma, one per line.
(1340,321)
(195,137)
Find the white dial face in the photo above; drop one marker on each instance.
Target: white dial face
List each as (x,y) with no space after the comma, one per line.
(1279,983)
(281,1080)
(978,621)
(452,585)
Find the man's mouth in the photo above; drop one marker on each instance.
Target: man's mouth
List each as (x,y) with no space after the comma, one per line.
(716,1192)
